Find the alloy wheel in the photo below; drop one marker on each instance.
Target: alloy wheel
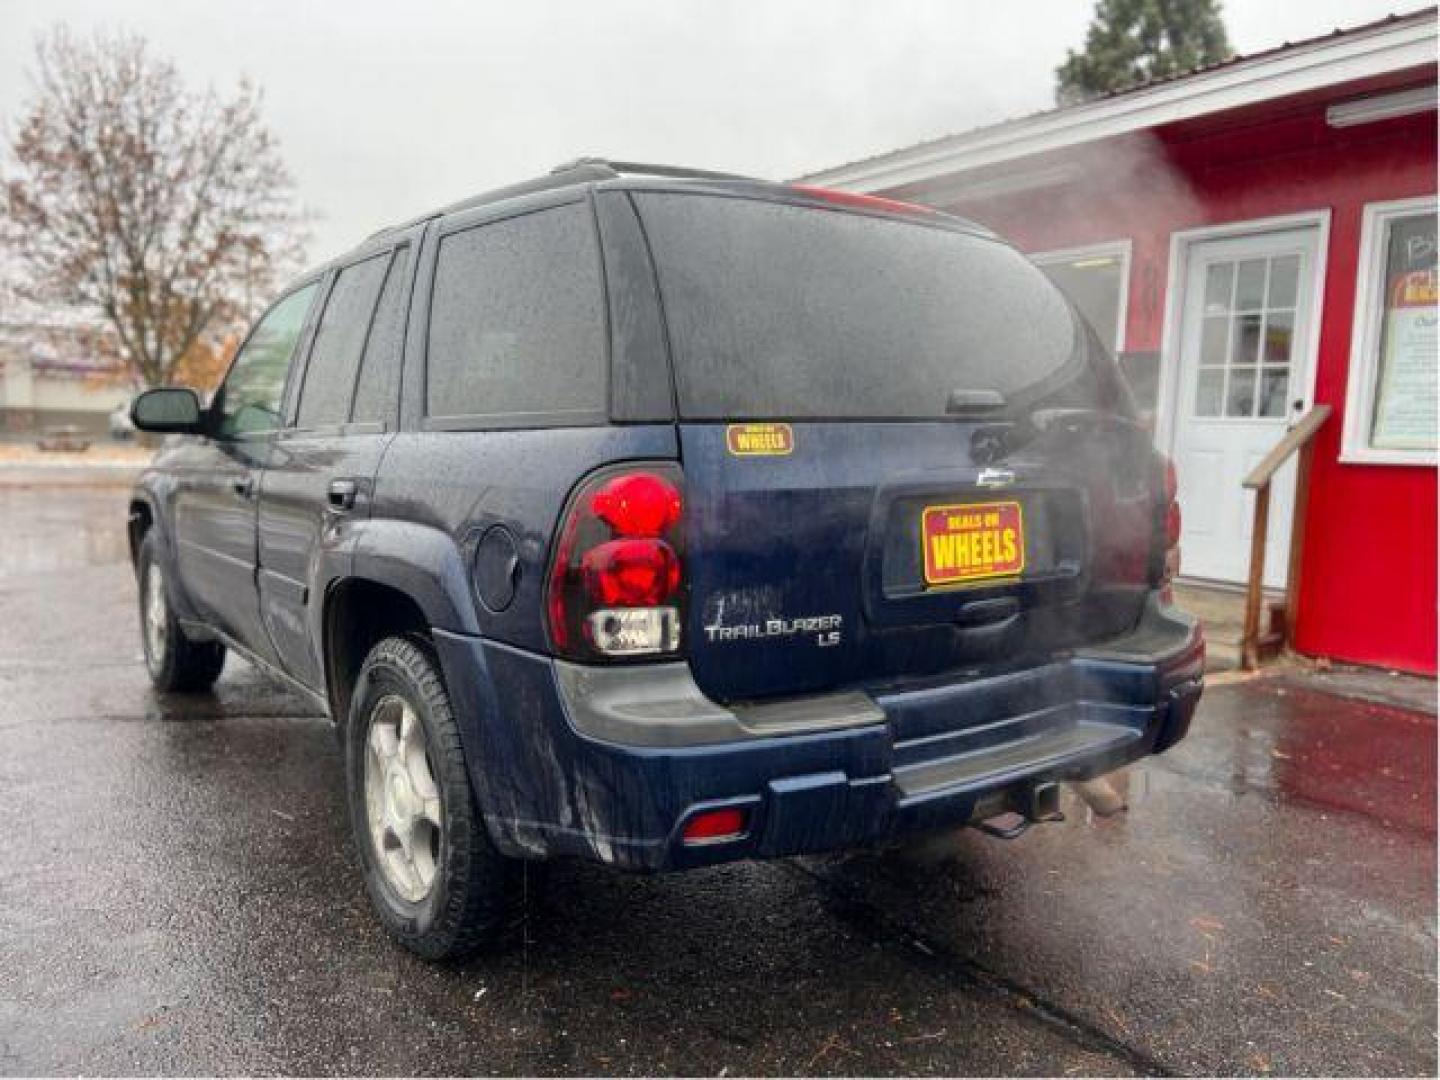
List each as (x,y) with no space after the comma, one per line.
(402,800)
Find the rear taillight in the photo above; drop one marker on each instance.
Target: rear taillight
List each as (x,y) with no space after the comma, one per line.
(616,586)
(1170,564)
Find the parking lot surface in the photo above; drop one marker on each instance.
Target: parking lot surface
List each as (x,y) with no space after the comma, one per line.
(179,895)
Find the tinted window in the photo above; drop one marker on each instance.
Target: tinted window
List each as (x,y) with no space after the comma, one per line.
(380,369)
(250,399)
(339,339)
(779,310)
(516,323)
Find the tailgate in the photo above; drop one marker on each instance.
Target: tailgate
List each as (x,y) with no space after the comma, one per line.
(846,553)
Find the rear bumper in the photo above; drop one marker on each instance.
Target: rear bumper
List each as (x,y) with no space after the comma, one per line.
(613,767)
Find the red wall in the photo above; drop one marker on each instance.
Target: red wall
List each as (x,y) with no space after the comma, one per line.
(1368,578)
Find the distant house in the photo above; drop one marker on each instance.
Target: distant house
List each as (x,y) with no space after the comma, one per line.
(1254,238)
(52,374)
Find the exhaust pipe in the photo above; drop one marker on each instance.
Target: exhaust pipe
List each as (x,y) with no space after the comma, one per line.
(1100,796)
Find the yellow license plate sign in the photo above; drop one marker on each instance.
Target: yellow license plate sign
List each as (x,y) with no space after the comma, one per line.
(972,541)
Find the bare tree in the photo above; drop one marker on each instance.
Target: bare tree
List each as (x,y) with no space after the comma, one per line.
(163,211)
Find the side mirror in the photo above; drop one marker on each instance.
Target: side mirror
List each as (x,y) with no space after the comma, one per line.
(171,410)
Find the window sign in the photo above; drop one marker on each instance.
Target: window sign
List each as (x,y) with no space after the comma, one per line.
(1393,390)
(1405,401)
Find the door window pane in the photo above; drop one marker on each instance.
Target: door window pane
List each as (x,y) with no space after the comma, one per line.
(1274,391)
(517,324)
(250,399)
(1284,275)
(1404,415)
(1215,339)
(1250,285)
(1240,399)
(1247,340)
(1219,280)
(1208,390)
(1279,332)
(379,385)
(335,356)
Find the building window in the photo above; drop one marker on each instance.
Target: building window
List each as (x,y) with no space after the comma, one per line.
(1097,281)
(1390,404)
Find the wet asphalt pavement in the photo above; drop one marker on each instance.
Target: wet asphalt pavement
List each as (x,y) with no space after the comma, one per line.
(179,895)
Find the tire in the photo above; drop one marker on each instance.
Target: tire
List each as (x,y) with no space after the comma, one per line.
(176,663)
(437,882)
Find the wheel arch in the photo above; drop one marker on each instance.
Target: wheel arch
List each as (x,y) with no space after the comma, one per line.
(360,613)
(140,520)
(404,578)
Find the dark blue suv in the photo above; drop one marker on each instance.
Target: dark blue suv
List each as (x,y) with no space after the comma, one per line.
(663,518)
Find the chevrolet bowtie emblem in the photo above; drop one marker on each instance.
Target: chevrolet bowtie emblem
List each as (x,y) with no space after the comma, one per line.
(994,478)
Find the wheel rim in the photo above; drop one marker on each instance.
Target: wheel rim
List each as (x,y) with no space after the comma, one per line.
(156,616)
(402,800)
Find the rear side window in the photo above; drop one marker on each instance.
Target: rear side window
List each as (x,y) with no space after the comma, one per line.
(517,326)
(379,382)
(786,311)
(335,356)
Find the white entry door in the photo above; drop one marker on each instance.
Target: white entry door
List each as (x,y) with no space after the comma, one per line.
(1245,343)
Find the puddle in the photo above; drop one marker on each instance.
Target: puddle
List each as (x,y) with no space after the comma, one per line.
(46,530)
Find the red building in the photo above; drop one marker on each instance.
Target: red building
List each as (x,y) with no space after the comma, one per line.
(1256,237)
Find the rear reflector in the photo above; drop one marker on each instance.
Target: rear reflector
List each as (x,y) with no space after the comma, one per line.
(713,825)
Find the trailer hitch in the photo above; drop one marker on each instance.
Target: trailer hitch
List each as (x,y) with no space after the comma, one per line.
(1035,804)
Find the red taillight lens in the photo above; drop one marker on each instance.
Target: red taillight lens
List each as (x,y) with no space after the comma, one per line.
(640,504)
(1172,525)
(714,825)
(616,586)
(1169,530)
(631,573)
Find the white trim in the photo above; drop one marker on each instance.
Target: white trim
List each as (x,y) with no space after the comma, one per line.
(1012,183)
(1317,65)
(1122,248)
(1167,397)
(1368,110)
(1368,316)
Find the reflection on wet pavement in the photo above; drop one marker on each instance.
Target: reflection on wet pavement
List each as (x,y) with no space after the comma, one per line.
(182,897)
(42,530)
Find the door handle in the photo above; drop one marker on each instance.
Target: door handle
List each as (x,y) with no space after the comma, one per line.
(341,494)
(244,486)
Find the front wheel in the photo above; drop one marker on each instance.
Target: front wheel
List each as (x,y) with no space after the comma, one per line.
(174,661)
(435,879)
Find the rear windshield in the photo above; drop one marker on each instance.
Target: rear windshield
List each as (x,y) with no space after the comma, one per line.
(786,311)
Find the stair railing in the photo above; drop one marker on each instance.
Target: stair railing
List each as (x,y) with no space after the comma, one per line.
(1301,439)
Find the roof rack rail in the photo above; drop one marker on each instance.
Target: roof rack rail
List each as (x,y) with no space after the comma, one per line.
(578,171)
(636,168)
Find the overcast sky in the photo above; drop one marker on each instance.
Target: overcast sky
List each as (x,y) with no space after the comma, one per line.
(386,109)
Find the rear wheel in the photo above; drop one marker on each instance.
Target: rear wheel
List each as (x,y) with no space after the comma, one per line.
(437,882)
(175,662)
